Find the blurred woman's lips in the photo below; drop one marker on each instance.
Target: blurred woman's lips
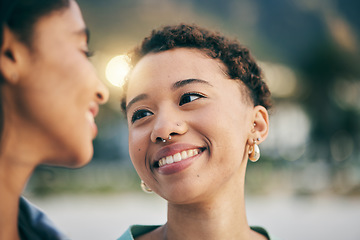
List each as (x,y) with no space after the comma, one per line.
(90,116)
(94,108)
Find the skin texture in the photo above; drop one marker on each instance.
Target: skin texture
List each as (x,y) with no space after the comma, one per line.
(209,114)
(50,98)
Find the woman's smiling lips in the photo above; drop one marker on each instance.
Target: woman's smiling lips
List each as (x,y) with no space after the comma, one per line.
(90,116)
(176,157)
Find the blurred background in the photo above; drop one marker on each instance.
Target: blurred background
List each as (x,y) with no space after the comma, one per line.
(307,182)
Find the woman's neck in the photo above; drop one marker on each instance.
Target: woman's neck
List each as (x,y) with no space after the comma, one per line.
(12,181)
(15,169)
(222,217)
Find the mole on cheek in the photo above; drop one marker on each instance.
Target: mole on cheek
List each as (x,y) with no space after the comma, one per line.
(198,175)
(139,149)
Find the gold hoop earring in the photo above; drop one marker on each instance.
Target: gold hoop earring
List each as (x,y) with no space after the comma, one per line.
(254,152)
(145,188)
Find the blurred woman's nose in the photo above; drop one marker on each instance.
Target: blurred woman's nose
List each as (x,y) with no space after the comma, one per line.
(102,93)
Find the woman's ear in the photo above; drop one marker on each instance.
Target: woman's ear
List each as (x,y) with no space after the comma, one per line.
(9,57)
(260,123)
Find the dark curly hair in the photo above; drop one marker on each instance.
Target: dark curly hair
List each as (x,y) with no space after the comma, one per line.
(240,64)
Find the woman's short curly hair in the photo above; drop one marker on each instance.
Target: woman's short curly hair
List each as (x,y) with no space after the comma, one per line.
(240,64)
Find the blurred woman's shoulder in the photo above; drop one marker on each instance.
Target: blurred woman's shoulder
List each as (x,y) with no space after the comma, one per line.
(34,224)
(264,232)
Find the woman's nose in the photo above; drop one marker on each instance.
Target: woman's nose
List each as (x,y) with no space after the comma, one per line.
(167,126)
(102,93)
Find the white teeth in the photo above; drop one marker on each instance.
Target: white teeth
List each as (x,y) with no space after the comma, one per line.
(178,157)
(184,155)
(89,116)
(190,153)
(169,159)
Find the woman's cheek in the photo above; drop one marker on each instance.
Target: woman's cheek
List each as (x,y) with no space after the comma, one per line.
(137,149)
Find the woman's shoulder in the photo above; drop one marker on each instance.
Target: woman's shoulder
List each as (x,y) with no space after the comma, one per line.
(136,230)
(34,224)
(263,231)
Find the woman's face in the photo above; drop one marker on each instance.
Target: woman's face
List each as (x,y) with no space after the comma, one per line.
(57,91)
(185,94)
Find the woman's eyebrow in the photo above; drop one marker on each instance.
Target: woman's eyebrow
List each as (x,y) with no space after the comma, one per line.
(136,99)
(175,86)
(84,32)
(185,82)
(87,32)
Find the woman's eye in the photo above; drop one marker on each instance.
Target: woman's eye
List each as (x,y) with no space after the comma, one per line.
(88,54)
(140,114)
(189,97)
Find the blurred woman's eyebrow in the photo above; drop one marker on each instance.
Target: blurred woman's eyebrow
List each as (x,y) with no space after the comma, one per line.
(84,32)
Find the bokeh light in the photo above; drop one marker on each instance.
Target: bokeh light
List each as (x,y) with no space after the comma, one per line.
(280,79)
(289,131)
(117,69)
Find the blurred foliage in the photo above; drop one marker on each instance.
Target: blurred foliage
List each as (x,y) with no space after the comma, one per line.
(335,127)
(106,177)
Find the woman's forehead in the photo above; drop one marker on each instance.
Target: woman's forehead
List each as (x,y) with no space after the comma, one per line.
(68,20)
(176,64)
(162,71)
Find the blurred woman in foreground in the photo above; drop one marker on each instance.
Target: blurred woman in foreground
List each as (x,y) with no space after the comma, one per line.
(196,106)
(49,97)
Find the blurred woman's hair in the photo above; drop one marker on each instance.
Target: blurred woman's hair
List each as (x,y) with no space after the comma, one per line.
(240,65)
(20,17)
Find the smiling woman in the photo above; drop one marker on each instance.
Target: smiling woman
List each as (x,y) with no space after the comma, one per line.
(50,95)
(196,106)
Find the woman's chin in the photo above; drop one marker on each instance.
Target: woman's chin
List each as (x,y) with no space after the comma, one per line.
(181,197)
(75,160)
(82,158)
(81,161)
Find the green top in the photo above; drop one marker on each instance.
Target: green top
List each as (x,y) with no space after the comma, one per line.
(138,230)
